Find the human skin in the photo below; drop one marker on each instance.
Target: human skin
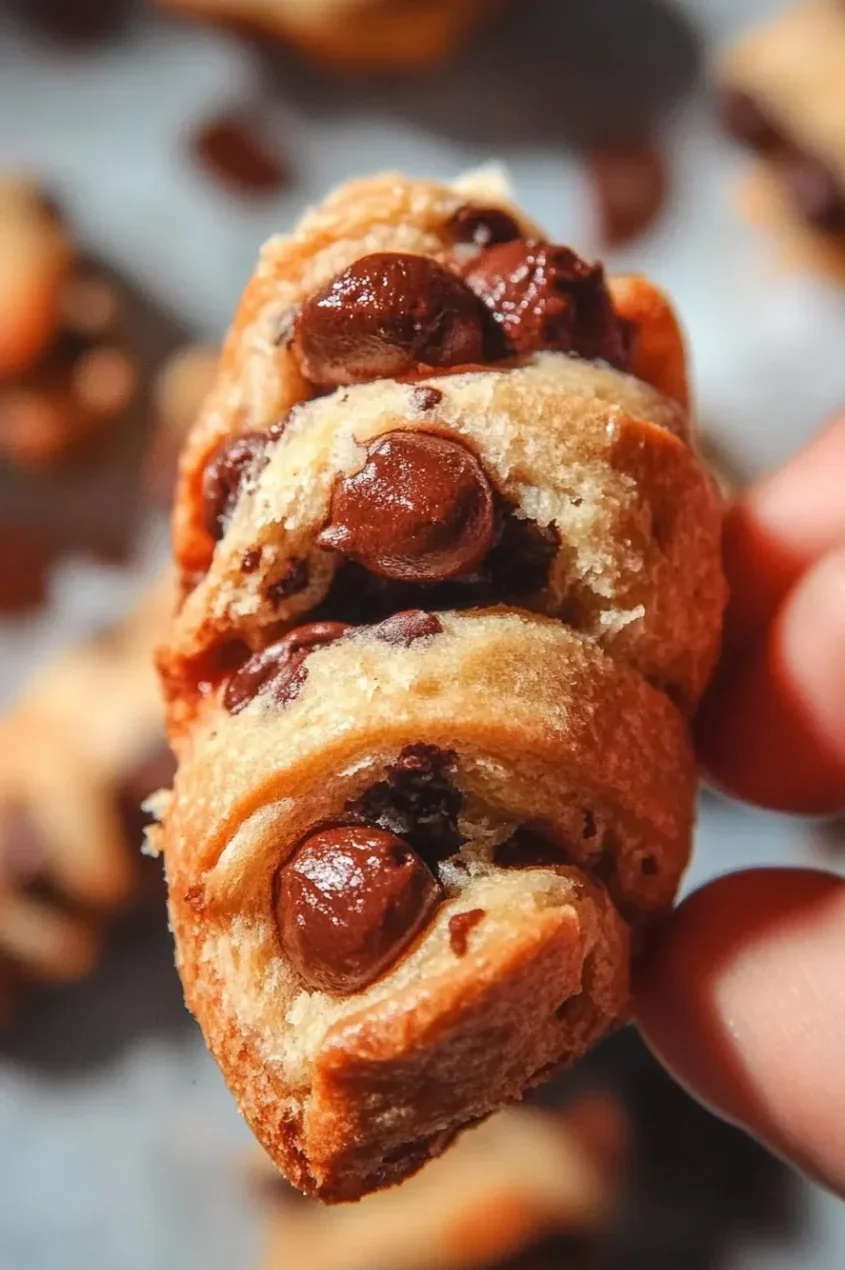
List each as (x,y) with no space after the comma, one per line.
(742,993)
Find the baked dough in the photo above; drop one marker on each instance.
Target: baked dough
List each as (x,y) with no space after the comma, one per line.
(353,35)
(441,629)
(79,751)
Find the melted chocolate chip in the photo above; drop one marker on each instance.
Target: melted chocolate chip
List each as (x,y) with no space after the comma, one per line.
(545,297)
(483,226)
(388,314)
(418,801)
(279,670)
(420,510)
(424,397)
(519,564)
(348,905)
(460,928)
(294,579)
(527,850)
(231,464)
(404,629)
(251,559)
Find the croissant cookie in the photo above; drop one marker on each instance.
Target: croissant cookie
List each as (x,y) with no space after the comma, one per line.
(451,587)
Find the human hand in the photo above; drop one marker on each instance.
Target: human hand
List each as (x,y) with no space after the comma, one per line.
(742,995)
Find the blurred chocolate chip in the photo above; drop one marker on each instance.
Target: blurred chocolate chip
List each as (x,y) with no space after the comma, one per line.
(279,669)
(426,398)
(814,190)
(483,226)
(630,186)
(348,905)
(418,800)
(72,21)
(746,121)
(527,850)
(545,297)
(223,478)
(294,579)
(251,559)
(387,315)
(25,560)
(460,928)
(419,510)
(235,147)
(404,629)
(24,857)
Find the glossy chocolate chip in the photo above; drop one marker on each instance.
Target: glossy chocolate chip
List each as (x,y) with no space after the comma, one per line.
(348,905)
(482,226)
(279,670)
(546,297)
(419,510)
(388,314)
(404,629)
(223,478)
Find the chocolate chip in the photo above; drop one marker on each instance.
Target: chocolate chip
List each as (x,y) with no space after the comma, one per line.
(294,579)
(389,314)
(225,474)
(527,850)
(746,121)
(404,629)
(426,398)
(236,148)
(545,297)
(279,670)
(419,510)
(418,801)
(630,185)
(814,191)
(348,905)
(460,928)
(251,559)
(520,563)
(483,226)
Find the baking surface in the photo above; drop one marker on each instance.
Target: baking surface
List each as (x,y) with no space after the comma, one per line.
(119,1147)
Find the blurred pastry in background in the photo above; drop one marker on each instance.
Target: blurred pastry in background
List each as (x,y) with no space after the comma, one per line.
(66,373)
(527,1187)
(180,389)
(783,97)
(25,560)
(78,752)
(352,35)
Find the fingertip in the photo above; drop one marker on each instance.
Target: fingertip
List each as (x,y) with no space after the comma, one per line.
(742,997)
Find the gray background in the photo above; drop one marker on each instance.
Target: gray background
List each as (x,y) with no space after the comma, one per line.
(119,1148)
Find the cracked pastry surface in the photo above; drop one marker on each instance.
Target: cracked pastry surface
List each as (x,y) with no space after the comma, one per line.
(783,98)
(79,751)
(357,35)
(450,588)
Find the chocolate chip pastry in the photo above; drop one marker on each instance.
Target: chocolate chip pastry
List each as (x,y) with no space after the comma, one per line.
(526,1189)
(78,753)
(451,588)
(352,35)
(783,97)
(66,374)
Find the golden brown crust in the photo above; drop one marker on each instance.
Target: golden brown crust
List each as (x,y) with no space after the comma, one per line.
(552,718)
(352,35)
